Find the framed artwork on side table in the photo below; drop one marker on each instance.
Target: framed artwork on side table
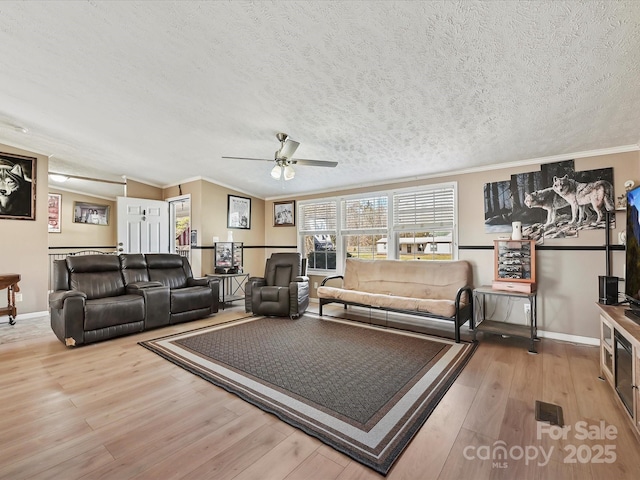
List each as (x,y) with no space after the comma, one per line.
(17,187)
(55,205)
(238,212)
(90,213)
(284,214)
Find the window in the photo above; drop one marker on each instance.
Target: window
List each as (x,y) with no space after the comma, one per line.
(364,225)
(408,224)
(423,223)
(318,231)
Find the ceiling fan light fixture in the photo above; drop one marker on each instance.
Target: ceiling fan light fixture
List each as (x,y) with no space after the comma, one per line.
(276,172)
(289,172)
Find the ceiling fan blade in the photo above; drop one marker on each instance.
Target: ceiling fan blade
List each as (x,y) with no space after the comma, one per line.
(246,158)
(288,149)
(313,163)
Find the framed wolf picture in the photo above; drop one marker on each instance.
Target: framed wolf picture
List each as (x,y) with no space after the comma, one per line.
(17,187)
(557,201)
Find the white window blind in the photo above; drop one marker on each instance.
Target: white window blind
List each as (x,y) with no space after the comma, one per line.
(424,209)
(318,217)
(364,214)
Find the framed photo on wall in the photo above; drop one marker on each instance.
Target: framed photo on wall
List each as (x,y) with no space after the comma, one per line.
(55,205)
(18,187)
(90,213)
(238,212)
(284,214)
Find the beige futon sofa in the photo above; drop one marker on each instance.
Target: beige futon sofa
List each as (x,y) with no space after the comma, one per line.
(435,289)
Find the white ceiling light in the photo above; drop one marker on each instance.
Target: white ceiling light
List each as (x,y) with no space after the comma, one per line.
(283,169)
(56,177)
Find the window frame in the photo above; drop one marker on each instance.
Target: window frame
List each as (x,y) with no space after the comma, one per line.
(392,231)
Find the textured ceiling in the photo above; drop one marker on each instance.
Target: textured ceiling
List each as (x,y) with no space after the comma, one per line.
(160,91)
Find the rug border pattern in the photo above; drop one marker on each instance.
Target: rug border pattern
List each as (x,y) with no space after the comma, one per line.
(377,448)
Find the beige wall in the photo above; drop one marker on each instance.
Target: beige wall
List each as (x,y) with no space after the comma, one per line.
(567,280)
(142,190)
(83,234)
(209,219)
(23,244)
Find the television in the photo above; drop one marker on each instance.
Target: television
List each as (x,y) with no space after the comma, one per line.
(632,255)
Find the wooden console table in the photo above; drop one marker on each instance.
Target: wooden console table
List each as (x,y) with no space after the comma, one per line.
(10,282)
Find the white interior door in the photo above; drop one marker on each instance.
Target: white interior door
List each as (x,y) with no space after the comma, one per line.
(143,225)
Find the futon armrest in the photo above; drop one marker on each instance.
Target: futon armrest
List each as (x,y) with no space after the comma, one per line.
(57,298)
(333,277)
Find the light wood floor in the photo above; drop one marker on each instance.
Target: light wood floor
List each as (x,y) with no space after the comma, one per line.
(115,410)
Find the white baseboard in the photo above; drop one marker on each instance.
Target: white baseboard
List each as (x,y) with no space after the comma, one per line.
(25,316)
(565,337)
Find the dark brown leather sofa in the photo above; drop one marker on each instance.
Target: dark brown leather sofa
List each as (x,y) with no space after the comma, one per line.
(97,297)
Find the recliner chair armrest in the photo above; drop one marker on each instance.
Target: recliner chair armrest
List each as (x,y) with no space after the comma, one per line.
(301,279)
(253,282)
(298,297)
(57,298)
(197,282)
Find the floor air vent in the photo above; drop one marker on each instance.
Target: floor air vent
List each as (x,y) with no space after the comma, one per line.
(549,412)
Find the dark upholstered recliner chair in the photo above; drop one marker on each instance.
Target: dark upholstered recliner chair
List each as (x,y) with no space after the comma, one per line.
(90,301)
(284,289)
(190,298)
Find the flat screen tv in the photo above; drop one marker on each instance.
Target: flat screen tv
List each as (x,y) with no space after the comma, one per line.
(632,256)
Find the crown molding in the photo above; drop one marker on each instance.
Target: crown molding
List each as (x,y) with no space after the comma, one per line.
(483,168)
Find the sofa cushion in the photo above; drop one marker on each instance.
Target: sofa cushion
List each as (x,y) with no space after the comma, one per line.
(96,275)
(190,298)
(433,280)
(111,311)
(167,269)
(134,268)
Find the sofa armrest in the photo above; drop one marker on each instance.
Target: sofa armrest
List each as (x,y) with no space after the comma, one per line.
(67,316)
(214,285)
(57,299)
(157,309)
(333,277)
(137,286)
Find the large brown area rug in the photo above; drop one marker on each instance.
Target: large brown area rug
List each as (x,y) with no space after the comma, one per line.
(363,390)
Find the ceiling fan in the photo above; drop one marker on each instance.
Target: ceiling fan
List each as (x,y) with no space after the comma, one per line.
(284,161)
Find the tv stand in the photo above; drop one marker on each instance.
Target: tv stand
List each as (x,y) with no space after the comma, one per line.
(615,323)
(632,314)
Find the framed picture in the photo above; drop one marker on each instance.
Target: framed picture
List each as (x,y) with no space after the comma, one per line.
(224,254)
(90,213)
(284,214)
(238,212)
(18,194)
(55,205)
